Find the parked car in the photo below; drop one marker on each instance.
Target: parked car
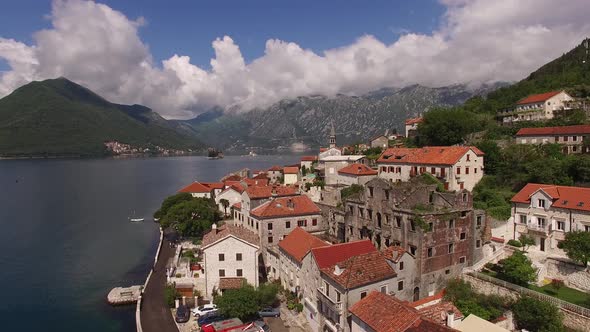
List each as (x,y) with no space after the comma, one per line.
(262,325)
(269,312)
(203,310)
(209,318)
(182,314)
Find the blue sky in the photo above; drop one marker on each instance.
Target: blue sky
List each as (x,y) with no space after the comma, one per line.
(188,27)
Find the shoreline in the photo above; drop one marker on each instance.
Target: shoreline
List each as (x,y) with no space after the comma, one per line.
(147,280)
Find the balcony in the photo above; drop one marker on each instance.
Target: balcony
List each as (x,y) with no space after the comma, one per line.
(327,301)
(544,229)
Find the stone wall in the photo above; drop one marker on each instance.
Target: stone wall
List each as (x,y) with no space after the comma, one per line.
(572,274)
(571,319)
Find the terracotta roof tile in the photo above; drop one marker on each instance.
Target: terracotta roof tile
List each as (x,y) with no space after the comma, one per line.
(358,170)
(257,192)
(394,253)
(286,206)
(329,256)
(550,131)
(196,187)
(237,205)
(565,197)
(429,155)
(438,312)
(276,168)
(231,283)
(299,242)
(214,185)
(228,230)
(412,121)
(291,170)
(360,270)
(538,98)
(256,182)
(309,158)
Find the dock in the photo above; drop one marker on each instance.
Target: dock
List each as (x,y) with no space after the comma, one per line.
(124,295)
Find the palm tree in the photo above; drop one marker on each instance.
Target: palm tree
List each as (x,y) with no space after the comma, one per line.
(225,204)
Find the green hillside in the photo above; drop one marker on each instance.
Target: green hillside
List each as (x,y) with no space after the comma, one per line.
(60,118)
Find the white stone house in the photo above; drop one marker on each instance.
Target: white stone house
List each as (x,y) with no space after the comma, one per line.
(356,174)
(331,165)
(203,189)
(412,126)
(230,253)
(536,107)
(380,141)
(308,161)
(548,212)
(572,138)
(457,167)
(255,196)
(233,194)
(291,175)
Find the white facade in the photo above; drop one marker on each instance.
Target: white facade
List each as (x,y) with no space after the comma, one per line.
(290,178)
(464,174)
(535,111)
(238,257)
(231,195)
(349,179)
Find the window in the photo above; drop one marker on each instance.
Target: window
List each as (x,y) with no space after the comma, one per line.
(463,214)
(314,222)
(269,226)
(270,239)
(478,222)
(458,170)
(412,226)
(363,295)
(257,225)
(401,266)
(222,273)
(430,252)
(239,257)
(451,248)
(465,197)
(541,203)
(468,157)
(478,243)
(466,170)
(239,273)
(475,170)
(540,222)
(462,236)
(360,211)
(587,228)
(461,259)
(433,170)
(301,223)
(447,271)
(351,209)
(430,226)
(565,138)
(327,288)
(370,191)
(452,223)
(523,218)
(288,224)
(386,194)
(370,213)
(412,250)
(384,289)
(574,138)
(400,285)
(337,296)
(398,221)
(561,225)
(221,257)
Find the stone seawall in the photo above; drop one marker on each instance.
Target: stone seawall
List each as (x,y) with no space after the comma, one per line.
(138,306)
(570,319)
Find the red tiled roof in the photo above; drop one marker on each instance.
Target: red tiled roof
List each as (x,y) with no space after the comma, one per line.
(291,170)
(565,197)
(196,187)
(231,283)
(358,170)
(394,253)
(330,256)
(429,155)
(412,121)
(550,131)
(309,158)
(228,230)
(286,206)
(237,205)
(257,192)
(260,176)
(538,98)
(436,297)
(256,182)
(360,270)
(276,168)
(236,187)
(231,177)
(214,185)
(438,312)
(299,242)
(497,239)
(385,313)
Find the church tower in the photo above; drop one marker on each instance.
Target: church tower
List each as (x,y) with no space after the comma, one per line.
(332,138)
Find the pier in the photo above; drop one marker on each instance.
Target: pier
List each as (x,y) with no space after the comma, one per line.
(124,295)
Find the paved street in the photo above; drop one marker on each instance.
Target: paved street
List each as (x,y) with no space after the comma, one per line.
(155,314)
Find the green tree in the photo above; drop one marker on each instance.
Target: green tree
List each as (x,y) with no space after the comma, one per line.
(577,246)
(246,301)
(447,126)
(170,294)
(535,315)
(225,203)
(191,218)
(171,201)
(493,155)
(518,269)
(526,241)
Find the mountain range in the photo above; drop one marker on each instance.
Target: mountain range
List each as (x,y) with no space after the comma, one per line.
(58,117)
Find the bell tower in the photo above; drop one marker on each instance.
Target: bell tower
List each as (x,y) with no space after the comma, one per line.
(332,138)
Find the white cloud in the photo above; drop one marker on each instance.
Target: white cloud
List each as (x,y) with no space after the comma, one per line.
(478,41)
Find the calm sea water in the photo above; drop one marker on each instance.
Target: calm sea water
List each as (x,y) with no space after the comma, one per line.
(65,240)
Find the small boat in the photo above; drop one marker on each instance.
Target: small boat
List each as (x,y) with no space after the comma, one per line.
(134,218)
(252,154)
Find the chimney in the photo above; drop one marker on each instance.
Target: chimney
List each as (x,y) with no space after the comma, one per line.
(338,270)
(290,204)
(450,318)
(273,191)
(214,228)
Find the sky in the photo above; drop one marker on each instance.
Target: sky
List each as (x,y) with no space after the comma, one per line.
(181,57)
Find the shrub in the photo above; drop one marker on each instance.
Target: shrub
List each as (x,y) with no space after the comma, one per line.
(178,275)
(299,307)
(535,315)
(518,269)
(557,284)
(170,294)
(514,243)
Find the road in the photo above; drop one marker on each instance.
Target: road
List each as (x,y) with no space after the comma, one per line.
(155,314)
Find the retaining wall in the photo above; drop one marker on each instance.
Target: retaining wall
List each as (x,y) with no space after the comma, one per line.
(138,306)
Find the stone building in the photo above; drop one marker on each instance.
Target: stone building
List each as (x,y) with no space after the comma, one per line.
(537,107)
(441,230)
(573,139)
(203,189)
(230,254)
(457,167)
(412,126)
(547,212)
(356,174)
(255,196)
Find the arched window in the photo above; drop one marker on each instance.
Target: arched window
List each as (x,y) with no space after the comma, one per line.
(416,293)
